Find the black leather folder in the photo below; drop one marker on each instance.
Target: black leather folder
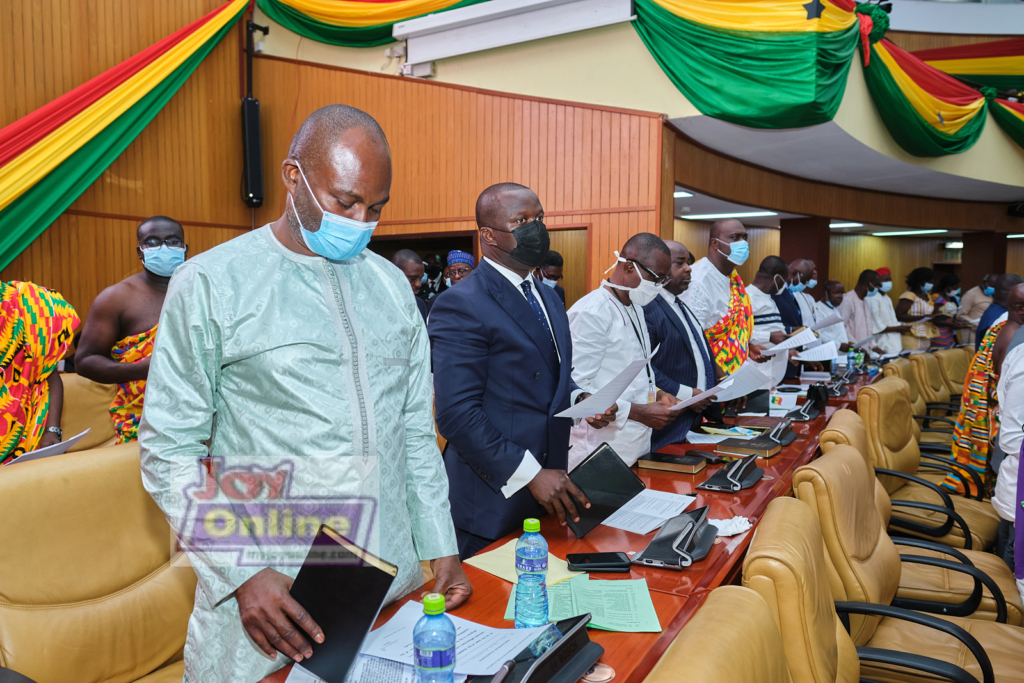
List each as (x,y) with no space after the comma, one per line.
(608,483)
(343,588)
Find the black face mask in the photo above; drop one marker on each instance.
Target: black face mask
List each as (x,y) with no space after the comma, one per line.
(532,244)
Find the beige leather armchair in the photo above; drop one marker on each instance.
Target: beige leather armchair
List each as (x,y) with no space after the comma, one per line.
(87,406)
(840,488)
(90,589)
(928,428)
(711,649)
(786,565)
(897,459)
(953,366)
(932,386)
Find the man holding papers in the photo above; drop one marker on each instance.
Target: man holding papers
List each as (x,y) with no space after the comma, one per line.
(887,328)
(769,280)
(502,360)
(609,331)
(685,364)
(856,312)
(828,309)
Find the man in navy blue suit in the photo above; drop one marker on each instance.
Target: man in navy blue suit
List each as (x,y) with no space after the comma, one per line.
(685,364)
(502,358)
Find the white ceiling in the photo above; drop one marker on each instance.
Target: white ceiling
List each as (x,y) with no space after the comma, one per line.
(827,153)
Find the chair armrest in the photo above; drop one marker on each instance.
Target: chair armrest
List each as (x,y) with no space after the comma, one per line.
(936,667)
(932,418)
(968,606)
(956,473)
(946,627)
(948,406)
(931,545)
(931,447)
(937,532)
(961,469)
(943,494)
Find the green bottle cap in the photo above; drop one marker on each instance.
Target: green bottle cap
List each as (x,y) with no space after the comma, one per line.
(433,604)
(531,526)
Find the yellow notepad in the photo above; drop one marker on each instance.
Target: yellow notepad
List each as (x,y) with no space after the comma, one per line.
(502,563)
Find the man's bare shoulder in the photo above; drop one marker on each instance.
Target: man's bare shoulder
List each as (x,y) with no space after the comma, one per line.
(126,290)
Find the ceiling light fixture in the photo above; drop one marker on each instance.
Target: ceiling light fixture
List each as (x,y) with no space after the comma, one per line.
(846,225)
(954,245)
(679,194)
(1014,237)
(718,216)
(908,233)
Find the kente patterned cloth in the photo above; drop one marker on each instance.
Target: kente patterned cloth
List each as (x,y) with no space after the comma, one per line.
(36,327)
(126,410)
(730,336)
(978,420)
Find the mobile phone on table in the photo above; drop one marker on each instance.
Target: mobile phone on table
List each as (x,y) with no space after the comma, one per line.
(598,562)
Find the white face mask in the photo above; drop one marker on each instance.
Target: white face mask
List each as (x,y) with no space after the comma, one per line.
(782,287)
(642,294)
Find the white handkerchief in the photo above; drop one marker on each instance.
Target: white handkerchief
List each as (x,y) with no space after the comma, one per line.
(731,527)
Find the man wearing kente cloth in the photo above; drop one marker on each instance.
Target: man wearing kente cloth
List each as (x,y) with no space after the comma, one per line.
(718,298)
(118,337)
(977,423)
(36,326)
(297,360)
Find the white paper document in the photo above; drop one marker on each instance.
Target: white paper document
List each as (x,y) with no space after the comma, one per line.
(864,342)
(366,670)
(696,398)
(805,336)
(824,352)
(480,650)
(701,438)
(778,366)
(605,397)
(834,319)
(648,510)
(747,379)
(56,449)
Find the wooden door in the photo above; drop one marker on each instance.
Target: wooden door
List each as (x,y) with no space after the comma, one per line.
(571,243)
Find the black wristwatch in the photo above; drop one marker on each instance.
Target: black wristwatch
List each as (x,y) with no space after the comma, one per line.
(57,431)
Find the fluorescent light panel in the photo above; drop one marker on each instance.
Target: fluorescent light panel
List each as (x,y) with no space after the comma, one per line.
(846,225)
(1014,237)
(954,245)
(908,233)
(679,194)
(718,216)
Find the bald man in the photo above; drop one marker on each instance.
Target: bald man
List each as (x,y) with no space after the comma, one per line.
(502,370)
(118,337)
(308,352)
(718,298)
(411,265)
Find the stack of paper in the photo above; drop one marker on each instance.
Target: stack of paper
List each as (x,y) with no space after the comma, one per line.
(479,650)
(647,511)
(502,563)
(822,353)
(613,605)
(805,336)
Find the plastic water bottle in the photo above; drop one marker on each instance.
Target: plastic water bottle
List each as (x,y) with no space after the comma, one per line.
(851,359)
(532,569)
(860,358)
(434,640)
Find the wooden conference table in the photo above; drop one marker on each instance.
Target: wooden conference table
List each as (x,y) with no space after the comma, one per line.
(677,595)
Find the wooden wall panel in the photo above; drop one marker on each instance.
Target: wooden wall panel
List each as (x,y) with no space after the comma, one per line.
(587,165)
(695,236)
(1015,257)
(851,254)
(571,243)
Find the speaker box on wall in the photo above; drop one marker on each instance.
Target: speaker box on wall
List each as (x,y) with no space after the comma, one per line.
(252,173)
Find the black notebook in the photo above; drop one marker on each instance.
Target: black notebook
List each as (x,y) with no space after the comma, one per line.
(609,484)
(343,588)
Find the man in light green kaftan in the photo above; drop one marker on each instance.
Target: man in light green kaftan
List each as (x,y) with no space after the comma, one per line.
(298,361)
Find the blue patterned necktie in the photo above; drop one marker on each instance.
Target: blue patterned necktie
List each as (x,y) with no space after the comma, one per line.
(537,310)
(709,369)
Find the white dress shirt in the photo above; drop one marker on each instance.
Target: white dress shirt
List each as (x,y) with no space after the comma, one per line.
(883,315)
(1011,431)
(677,305)
(806,303)
(857,317)
(708,294)
(529,467)
(604,342)
(767,318)
(837,332)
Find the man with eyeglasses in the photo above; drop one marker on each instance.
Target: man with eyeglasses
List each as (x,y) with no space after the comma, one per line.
(118,337)
(609,331)
(460,265)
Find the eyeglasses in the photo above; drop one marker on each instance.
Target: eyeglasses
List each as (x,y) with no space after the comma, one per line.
(461,272)
(156,243)
(658,279)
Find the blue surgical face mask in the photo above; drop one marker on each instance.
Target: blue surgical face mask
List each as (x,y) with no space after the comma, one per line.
(448,282)
(739,252)
(989,291)
(797,287)
(872,292)
(886,286)
(339,238)
(423,280)
(926,287)
(549,283)
(955,292)
(812,283)
(163,260)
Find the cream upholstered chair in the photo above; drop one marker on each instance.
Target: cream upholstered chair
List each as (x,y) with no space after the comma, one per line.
(89,587)
(87,406)
(927,427)
(953,366)
(922,507)
(711,649)
(932,386)
(786,564)
(840,488)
